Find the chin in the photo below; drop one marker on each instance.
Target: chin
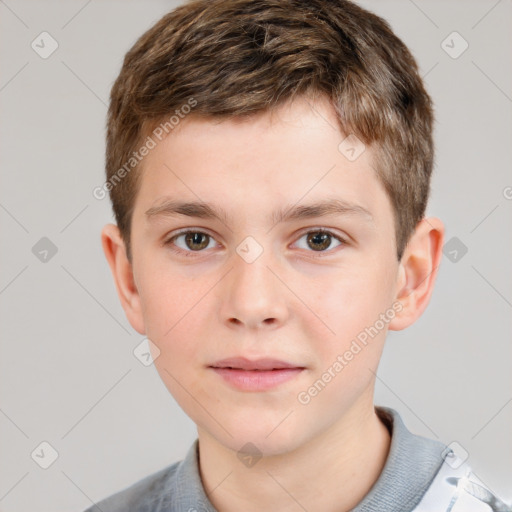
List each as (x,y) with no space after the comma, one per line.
(258,437)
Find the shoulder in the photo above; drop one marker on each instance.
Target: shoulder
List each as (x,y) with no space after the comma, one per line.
(456,488)
(176,487)
(427,476)
(140,496)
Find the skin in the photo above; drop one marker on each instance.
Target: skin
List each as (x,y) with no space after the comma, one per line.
(293,303)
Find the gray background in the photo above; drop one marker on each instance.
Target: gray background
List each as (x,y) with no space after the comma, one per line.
(68,375)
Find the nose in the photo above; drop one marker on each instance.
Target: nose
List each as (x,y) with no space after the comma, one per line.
(253,296)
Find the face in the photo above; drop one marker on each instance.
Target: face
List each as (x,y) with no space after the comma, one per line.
(258,274)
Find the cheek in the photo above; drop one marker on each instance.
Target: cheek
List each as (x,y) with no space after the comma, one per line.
(170,307)
(173,315)
(351,305)
(352,298)
(348,359)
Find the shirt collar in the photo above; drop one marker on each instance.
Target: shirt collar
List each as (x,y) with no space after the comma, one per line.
(412,463)
(410,467)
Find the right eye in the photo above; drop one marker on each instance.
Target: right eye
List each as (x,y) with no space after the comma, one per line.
(188,242)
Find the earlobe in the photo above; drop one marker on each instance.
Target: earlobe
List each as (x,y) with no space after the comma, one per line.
(418,271)
(122,272)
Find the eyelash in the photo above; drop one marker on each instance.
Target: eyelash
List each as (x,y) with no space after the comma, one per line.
(189,253)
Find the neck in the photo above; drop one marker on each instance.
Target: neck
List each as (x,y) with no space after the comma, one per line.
(332,472)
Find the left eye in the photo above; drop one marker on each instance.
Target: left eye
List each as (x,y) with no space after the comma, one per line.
(320,240)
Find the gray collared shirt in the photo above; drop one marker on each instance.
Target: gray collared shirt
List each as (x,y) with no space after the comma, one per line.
(410,468)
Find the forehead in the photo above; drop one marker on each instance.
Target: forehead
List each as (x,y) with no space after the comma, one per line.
(293,155)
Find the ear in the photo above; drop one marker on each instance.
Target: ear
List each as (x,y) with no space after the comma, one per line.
(122,272)
(417,271)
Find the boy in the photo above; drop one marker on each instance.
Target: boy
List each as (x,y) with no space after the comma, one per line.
(269,166)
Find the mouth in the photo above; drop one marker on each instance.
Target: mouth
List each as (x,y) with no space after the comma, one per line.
(256,375)
(264,364)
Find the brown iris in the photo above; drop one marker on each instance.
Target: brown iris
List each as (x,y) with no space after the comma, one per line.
(318,240)
(193,240)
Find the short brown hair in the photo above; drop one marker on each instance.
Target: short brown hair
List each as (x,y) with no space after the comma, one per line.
(237,58)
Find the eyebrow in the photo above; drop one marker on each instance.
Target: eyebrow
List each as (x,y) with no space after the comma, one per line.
(203,210)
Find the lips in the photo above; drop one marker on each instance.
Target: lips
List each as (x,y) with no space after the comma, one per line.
(257,375)
(264,364)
